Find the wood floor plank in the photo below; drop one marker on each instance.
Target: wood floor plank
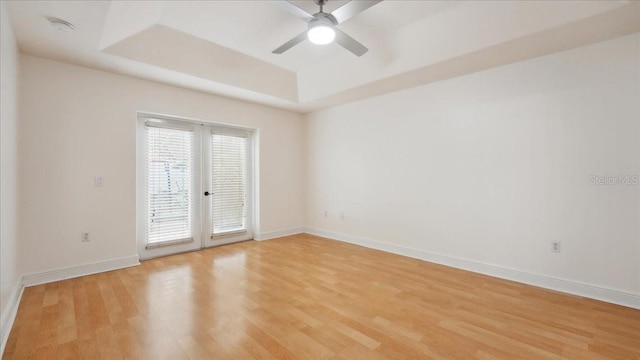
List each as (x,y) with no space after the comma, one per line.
(305,297)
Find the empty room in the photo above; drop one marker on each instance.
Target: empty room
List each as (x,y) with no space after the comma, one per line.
(320,179)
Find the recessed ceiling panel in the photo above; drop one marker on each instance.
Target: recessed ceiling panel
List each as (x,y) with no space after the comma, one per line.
(171,49)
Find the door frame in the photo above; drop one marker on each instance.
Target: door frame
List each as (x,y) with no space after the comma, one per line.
(201,238)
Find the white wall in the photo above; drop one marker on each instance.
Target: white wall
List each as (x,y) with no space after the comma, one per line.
(77,123)
(494,166)
(10,270)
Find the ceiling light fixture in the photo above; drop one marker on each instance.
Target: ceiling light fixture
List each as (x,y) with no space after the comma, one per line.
(321,31)
(61,25)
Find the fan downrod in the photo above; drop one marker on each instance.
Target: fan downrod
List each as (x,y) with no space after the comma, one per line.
(320,3)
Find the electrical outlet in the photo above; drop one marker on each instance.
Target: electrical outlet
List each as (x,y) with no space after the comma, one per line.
(342,215)
(85,236)
(325,213)
(555,246)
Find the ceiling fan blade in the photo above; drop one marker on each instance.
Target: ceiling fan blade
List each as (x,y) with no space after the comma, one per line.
(351,9)
(294,10)
(291,43)
(350,43)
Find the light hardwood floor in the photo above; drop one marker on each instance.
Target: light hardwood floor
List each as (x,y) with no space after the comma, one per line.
(304,297)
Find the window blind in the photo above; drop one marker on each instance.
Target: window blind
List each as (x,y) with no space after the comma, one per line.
(169,184)
(228,179)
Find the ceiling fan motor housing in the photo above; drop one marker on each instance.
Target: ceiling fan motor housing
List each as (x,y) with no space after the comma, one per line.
(322,19)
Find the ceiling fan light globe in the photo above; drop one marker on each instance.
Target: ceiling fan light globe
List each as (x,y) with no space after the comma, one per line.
(321,35)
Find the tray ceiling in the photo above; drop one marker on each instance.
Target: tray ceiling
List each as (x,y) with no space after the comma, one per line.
(224,47)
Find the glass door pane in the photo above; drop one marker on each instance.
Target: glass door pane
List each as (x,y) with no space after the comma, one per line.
(228,210)
(169,182)
(228,182)
(169,185)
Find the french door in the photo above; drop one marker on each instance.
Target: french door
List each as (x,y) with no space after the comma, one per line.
(193,184)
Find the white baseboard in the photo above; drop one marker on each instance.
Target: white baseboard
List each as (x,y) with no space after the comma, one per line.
(544,281)
(80,270)
(278,233)
(9,314)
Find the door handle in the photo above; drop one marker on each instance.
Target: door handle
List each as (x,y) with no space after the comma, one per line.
(206,193)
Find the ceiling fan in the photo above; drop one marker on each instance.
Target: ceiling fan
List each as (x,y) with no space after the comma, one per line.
(323,26)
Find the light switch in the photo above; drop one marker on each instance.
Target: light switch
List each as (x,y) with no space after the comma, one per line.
(98,181)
